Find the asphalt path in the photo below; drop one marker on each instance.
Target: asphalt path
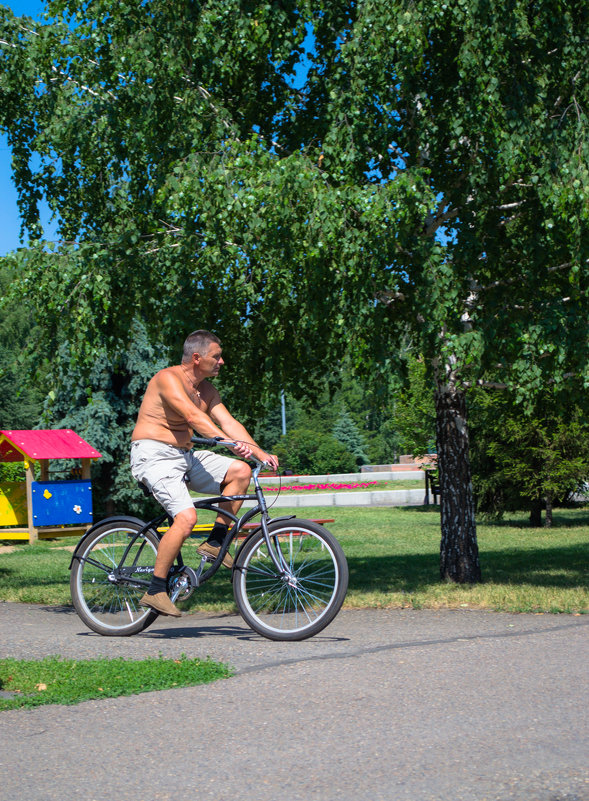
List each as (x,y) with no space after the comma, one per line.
(392,705)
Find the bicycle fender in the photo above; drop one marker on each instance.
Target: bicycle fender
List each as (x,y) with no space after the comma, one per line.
(114,520)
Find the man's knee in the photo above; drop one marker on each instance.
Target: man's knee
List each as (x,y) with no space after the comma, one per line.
(239,472)
(186,520)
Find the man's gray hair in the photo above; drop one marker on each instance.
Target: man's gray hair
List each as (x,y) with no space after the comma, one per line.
(198,342)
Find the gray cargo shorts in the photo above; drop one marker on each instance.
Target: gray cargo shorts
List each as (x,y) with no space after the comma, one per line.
(169,472)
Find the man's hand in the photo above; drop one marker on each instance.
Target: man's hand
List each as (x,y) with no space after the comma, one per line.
(270,459)
(241,449)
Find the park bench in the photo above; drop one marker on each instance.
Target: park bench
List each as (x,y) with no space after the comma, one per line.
(204,528)
(432,485)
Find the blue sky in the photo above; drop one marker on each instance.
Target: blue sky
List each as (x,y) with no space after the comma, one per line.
(10,227)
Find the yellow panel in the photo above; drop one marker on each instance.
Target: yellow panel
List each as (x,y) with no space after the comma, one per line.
(13,504)
(10,534)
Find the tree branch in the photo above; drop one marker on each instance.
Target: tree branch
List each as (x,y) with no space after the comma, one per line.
(516,279)
(433,222)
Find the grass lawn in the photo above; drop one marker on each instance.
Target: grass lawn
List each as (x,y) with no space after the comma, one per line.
(394,561)
(54,680)
(393,555)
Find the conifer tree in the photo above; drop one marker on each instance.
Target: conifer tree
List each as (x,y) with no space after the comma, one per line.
(346,432)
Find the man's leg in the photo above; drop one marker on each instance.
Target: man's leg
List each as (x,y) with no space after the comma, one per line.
(236,482)
(156,596)
(173,540)
(162,468)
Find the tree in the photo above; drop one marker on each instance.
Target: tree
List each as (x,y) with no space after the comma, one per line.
(309,452)
(476,112)
(414,414)
(116,108)
(428,180)
(527,460)
(346,432)
(21,402)
(367,412)
(101,406)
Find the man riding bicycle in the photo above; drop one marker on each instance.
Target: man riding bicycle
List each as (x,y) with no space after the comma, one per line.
(179,401)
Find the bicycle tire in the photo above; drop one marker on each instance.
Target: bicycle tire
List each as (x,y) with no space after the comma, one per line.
(281,611)
(106,606)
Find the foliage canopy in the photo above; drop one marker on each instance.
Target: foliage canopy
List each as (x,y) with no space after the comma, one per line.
(193,181)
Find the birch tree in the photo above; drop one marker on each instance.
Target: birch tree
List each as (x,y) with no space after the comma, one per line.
(310,179)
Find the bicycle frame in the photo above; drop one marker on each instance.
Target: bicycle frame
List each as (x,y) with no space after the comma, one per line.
(210,504)
(238,523)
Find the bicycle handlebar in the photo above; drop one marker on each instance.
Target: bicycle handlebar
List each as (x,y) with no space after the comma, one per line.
(212,442)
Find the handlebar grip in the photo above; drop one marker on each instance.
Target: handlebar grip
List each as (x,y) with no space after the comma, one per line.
(211,442)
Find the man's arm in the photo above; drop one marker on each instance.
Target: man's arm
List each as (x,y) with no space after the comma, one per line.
(173,393)
(236,431)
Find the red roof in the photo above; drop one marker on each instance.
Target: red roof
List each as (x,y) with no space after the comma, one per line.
(61,443)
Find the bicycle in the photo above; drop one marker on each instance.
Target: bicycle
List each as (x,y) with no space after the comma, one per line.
(290,576)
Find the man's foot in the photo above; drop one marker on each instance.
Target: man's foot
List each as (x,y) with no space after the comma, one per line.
(212,551)
(160,603)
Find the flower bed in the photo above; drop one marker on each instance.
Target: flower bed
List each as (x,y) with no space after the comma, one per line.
(356,485)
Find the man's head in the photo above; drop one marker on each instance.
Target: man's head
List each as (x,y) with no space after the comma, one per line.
(198,342)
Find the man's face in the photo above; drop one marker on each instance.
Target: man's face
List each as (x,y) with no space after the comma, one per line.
(210,363)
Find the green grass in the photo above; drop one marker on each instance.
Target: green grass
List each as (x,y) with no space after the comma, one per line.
(394,561)
(393,554)
(37,574)
(54,680)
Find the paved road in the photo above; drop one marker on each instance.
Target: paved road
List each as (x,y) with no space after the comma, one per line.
(391,705)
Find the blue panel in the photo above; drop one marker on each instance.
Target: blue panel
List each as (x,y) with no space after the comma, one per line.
(61,503)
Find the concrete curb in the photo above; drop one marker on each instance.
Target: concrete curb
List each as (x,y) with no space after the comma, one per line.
(384,498)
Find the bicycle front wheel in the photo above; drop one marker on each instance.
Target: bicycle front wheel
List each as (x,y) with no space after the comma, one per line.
(303,598)
(110,573)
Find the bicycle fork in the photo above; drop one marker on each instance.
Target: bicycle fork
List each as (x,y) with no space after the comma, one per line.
(277,557)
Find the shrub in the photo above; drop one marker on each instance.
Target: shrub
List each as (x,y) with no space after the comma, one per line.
(308,452)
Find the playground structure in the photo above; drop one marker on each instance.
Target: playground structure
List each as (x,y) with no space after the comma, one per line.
(40,509)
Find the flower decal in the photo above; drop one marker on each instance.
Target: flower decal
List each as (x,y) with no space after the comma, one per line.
(77,509)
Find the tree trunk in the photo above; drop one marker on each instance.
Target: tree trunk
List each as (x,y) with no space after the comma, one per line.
(548,516)
(459,552)
(536,513)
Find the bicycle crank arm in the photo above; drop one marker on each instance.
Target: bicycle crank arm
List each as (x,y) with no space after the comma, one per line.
(183,584)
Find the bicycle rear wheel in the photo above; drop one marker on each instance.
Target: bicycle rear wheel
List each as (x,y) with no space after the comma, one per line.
(106,591)
(306,597)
